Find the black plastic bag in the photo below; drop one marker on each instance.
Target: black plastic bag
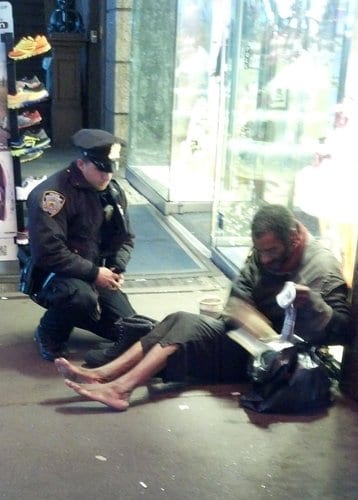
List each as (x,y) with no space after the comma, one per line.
(301,384)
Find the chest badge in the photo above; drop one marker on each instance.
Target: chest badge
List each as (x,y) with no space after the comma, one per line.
(52,202)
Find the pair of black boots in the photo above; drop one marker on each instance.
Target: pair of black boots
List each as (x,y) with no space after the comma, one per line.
(128,331)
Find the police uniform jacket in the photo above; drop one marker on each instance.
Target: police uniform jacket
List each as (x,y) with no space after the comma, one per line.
(68,231)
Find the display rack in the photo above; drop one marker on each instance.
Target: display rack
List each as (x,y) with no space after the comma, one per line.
(8,40)
(15,135)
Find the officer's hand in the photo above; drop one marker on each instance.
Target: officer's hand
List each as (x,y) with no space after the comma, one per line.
(120,277)
(108,279)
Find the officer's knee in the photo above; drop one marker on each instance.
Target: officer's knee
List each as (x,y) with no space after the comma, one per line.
(83,301)
(71,296)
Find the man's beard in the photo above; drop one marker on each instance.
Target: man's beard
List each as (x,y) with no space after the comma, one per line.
(276,265)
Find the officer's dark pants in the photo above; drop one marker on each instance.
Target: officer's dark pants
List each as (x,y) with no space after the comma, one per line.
(72,302)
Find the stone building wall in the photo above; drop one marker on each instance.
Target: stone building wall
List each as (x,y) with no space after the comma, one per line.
(118,20)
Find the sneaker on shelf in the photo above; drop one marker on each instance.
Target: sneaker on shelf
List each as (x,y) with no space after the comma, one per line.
(20,87)
(16,152)
(30,83)
(30,141)
(25,96)
(37,139)
(27,186)
(23,49)
(28,119)
(29,47)
(33,154)
(42,45)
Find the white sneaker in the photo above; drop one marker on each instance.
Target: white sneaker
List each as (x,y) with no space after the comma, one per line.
(28,185)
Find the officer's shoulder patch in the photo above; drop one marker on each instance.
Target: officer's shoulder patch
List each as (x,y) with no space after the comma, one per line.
(52,202)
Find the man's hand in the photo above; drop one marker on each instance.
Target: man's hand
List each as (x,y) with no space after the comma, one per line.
(302,295)
(106,278)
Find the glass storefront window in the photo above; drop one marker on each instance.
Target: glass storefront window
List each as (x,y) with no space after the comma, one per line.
(285,127)
(196,91)
(174,96)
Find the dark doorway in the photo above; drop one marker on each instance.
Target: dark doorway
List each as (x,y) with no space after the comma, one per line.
(92,70)
(94,64)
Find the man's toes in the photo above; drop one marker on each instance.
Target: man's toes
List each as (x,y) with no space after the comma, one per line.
(73,385)
(61,364)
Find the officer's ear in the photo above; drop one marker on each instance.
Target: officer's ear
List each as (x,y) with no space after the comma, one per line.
(80,164)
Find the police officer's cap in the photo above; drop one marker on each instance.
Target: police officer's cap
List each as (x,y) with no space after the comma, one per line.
(98,146)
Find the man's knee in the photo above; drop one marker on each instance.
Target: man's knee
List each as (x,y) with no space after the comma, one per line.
(179,316)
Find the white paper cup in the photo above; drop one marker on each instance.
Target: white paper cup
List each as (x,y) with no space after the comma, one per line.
(211,306)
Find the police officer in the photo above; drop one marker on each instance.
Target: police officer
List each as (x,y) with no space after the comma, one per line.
(81,241)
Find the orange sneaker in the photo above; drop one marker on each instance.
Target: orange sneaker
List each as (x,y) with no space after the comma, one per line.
(41,45)
(29,47)
(24,49)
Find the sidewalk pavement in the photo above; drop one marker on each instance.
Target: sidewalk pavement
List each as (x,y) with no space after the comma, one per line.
(188,443)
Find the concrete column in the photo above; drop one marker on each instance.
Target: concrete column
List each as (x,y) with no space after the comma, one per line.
(118,22)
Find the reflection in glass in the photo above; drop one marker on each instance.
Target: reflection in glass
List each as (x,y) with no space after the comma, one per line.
(285,71)
(174,95)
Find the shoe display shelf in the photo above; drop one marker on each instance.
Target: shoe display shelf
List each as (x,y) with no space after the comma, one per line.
(28,139)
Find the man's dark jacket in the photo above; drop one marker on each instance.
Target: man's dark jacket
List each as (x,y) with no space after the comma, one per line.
(69,241)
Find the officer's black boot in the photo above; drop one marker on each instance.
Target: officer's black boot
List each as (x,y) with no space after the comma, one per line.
(51,336)
(126,331)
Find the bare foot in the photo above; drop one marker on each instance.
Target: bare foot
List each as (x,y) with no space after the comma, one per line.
(77,373)
(104,393)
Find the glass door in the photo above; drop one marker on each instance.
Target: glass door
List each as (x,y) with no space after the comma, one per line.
(174,97)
